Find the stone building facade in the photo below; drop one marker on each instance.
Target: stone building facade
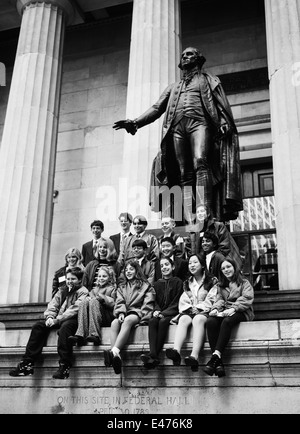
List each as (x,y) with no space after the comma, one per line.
(72,68)
(68,70)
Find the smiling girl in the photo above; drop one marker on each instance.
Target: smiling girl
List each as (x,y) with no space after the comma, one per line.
(199,294)
(106,255)
(233,305)
(96,310)
(134,305)
(168,290)
(73,258)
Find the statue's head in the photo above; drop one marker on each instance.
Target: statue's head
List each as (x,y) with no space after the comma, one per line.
(191,57)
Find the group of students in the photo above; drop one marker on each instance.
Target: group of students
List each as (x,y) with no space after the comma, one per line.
(153,282)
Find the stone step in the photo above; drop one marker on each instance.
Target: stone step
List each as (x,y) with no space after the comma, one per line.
(268,305)
(250,331)
(263,363)
(261,358)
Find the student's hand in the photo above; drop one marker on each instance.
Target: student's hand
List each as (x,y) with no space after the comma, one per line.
(229,312)
(213,312)
(121,318)
(100,297)
(49,322)
(156,314)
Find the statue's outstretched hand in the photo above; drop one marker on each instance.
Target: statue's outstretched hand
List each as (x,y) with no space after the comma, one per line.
(129,125)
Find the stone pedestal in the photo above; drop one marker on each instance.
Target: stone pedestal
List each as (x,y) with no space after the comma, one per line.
(28,149)
(283,43)
(154,56)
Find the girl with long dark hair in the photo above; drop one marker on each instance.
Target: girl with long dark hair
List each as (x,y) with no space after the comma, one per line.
(195,303)
(233,305)
(134,305)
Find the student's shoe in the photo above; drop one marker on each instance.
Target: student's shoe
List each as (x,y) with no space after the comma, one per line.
(173,355)
(145,358)
(220,370)
(149,362)
(76,340)
(192,362)
(22,369)
(94,339)
(62,372)
(108,358)
(117,364)
(211,366)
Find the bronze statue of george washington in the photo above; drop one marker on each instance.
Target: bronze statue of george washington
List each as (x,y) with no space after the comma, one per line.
(199,149)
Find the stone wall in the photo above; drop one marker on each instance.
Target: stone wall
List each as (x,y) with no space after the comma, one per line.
(262,376)
(93,96)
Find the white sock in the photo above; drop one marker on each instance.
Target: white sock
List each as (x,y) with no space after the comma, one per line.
(116,351)
(217,353)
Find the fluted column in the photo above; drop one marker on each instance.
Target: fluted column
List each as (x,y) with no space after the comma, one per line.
(154,56)
(283,43)
(27,154)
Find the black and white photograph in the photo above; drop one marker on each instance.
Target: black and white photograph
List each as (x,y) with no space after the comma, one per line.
(149,210)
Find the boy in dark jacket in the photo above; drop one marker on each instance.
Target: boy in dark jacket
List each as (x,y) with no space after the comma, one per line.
(61,313)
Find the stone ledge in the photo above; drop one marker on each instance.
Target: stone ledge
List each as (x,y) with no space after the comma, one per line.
(262,365)
(264,354)
(250,331)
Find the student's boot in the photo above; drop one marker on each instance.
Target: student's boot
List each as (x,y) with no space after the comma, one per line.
(23,369)
(62,372)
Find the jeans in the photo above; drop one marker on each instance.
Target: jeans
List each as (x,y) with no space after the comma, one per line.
(38,338)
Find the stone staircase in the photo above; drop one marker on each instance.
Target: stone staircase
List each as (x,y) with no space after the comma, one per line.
(262,364)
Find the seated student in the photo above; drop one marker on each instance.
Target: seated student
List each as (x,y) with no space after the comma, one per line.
(125,220)
(134,305)
(168,290)
(106,255)
(61,313)
(167,249)
(89,249)
(227,246)
(126,253)
(234,304)
(199,295)
(213,257)
(73,258)
(168,225)
(96,310)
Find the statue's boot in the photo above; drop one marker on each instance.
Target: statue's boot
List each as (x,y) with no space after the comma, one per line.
(204,185)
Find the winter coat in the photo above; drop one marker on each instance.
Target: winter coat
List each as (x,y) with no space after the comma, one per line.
(137,297)
(64,305)
(109,293)
(203,300)
(59,279)
(239,297)
(168,292)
